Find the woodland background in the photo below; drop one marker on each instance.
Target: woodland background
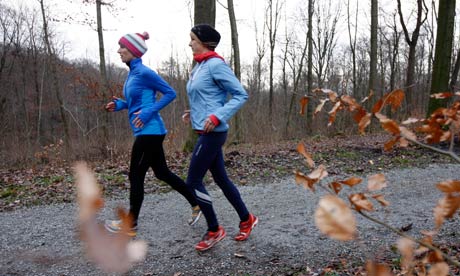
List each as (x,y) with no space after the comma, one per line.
(52,108)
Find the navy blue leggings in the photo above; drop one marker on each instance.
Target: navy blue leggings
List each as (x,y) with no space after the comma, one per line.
(148,152)
(208,155)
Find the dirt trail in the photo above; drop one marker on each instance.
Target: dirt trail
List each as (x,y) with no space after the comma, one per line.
(42,240)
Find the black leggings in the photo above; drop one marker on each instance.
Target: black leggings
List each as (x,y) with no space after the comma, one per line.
(148,152)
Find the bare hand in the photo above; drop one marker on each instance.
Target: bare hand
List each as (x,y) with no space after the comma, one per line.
(208,125)
(186,117)
(110,106)
(137,122)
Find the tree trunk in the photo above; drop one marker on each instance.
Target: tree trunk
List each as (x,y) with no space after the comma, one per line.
(309,113)
(105,84)
(236,66)
(442,53)
(412,42)
(204,12)
(373,53)
(272,20)
(352,39)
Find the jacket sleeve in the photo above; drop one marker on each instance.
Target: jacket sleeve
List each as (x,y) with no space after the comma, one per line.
(227,81)
(157,84)
(120,104)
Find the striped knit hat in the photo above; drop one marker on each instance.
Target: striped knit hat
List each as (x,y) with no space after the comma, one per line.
(135,43)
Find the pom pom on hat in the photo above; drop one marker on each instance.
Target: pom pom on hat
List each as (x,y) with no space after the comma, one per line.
(207,34)
(135,43)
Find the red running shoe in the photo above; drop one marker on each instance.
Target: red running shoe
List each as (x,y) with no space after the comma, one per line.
(246,228)
(210,239)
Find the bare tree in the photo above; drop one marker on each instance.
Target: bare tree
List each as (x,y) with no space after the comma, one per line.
(325,41)
(352,41)
(53,65)
(392,40)
(412,41)
(272,20)
(374,40)
(443,53)
(236,64)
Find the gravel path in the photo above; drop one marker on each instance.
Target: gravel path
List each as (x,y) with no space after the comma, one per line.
(42,240)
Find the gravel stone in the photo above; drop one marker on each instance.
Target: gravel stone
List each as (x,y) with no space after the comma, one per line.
(42,240)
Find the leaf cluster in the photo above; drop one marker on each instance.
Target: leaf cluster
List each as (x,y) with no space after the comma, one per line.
(334,217)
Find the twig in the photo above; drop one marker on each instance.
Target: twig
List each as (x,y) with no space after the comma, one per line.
(447,257)
(449,153)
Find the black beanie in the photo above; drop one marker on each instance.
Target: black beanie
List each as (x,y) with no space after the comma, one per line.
(207,34)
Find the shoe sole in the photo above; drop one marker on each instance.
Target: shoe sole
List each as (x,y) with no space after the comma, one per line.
(212,245)
(196,219)
(111,230)
(247,236)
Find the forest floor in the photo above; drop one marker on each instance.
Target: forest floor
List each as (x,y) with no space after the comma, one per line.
(246,164)
(37,204)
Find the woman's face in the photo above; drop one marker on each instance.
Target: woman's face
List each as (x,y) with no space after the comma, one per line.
(196,45)
(125,55)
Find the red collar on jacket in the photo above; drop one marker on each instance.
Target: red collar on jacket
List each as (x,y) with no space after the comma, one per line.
(206,56)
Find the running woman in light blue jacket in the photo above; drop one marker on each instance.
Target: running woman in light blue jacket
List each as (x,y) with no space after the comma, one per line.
(211,81)
(140,93)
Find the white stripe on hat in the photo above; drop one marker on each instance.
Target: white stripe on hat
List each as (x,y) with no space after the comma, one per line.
(137,42)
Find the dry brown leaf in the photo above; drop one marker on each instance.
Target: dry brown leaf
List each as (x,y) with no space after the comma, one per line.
(377,106)
(439,269)
(449,186)
(364,122)
(301,149)
(332,95)
(395,99)
(406,247)
(376,269)
(443,95)
(371,93)
(320,106)
(335,219)
(319,173)
(305,181)
(114,253)
(381,200)
(411,121)
(376,182)
(89,193)
(446,208)
(405,132)
(336,186)
(352,181)
(434,257)
(360,202)
(351,102)
(390,144)
(303,104)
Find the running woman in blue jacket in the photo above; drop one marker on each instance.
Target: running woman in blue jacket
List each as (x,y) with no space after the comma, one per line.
(211,81)
(140,94)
